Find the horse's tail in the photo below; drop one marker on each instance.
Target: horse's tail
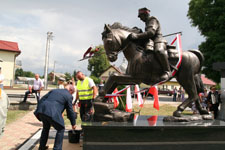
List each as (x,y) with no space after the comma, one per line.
(197,77)
(199,55)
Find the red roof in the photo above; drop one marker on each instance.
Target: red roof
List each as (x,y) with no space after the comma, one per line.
(9,46)
(207,81)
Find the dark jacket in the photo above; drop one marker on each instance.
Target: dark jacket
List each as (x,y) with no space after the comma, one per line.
(54,103)
(217,97)
(152,25)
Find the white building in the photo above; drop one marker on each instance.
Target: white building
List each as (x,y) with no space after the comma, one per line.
(8,53)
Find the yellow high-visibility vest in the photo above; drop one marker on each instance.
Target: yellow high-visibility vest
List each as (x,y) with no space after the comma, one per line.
(85,92)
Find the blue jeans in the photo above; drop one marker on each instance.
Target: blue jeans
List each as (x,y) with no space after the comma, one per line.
(47,123)
(175,97)
(33,91)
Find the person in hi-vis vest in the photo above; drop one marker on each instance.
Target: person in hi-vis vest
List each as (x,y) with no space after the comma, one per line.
(86,93)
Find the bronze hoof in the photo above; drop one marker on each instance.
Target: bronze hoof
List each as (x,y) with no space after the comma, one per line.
(177,113)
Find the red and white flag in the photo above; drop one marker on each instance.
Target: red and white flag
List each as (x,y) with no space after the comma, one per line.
(139,97)
(152,120)
(128,100)
(179,47)
(135,119)
(153,90)
(87,52)
(118,93)
(115,99)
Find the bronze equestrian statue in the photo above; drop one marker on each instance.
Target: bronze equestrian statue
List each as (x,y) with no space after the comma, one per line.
(151,66)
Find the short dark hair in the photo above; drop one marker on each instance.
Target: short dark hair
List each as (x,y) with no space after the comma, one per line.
(78,72)
(213,87)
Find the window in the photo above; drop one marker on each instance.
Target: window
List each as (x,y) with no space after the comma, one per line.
(172,87)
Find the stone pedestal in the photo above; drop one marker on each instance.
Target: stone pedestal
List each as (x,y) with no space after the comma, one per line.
(150,132)
(220,66)
(22,106)
(106,112)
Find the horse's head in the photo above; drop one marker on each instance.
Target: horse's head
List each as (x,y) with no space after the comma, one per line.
(111,43)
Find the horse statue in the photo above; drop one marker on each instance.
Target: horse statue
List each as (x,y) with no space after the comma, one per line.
(143,67)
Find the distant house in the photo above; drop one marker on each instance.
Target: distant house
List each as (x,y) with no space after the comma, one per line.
(8,53)
(207,82)
(170,85)
(55,75)
(26,80)
(110,70)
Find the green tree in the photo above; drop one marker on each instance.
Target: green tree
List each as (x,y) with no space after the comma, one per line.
(98,64)
(19,73)
(28,74)
(68,76)
(209,17)
(74,75)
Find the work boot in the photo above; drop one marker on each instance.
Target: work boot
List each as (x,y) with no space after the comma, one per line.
(44,148)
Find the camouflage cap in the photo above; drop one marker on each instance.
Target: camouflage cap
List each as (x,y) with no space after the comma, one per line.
(61,79)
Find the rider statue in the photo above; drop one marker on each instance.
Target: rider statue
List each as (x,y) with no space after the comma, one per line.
(153,34)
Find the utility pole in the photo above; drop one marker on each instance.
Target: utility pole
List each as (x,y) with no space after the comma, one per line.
(49,37)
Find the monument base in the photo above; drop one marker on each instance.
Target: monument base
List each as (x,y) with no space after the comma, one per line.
(188,118)
(106,112)
(150,132)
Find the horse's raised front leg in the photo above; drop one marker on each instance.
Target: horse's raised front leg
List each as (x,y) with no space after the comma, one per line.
(114,81)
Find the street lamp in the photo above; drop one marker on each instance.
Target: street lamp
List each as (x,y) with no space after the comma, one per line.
(49,37)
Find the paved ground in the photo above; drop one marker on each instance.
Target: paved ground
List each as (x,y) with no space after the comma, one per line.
(19,131)
(66,144)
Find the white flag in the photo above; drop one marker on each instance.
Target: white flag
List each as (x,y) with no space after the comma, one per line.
(128,100)
(139,97)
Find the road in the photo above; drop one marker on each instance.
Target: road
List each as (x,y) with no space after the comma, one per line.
(162,98)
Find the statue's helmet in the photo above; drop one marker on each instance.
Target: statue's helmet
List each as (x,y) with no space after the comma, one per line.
(143,11)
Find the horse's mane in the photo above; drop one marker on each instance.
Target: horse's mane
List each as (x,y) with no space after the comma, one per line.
(118,25)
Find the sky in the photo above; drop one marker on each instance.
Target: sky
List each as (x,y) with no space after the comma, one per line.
(77,25)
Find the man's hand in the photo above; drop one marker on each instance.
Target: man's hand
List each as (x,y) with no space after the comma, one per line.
(30,88)
(132,37)
(74,127)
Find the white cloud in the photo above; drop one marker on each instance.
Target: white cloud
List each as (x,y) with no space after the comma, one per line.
(76,25)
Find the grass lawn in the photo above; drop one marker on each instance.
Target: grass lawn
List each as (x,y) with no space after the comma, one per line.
(13,115)
(148,109)
(164,110)
(67,121)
